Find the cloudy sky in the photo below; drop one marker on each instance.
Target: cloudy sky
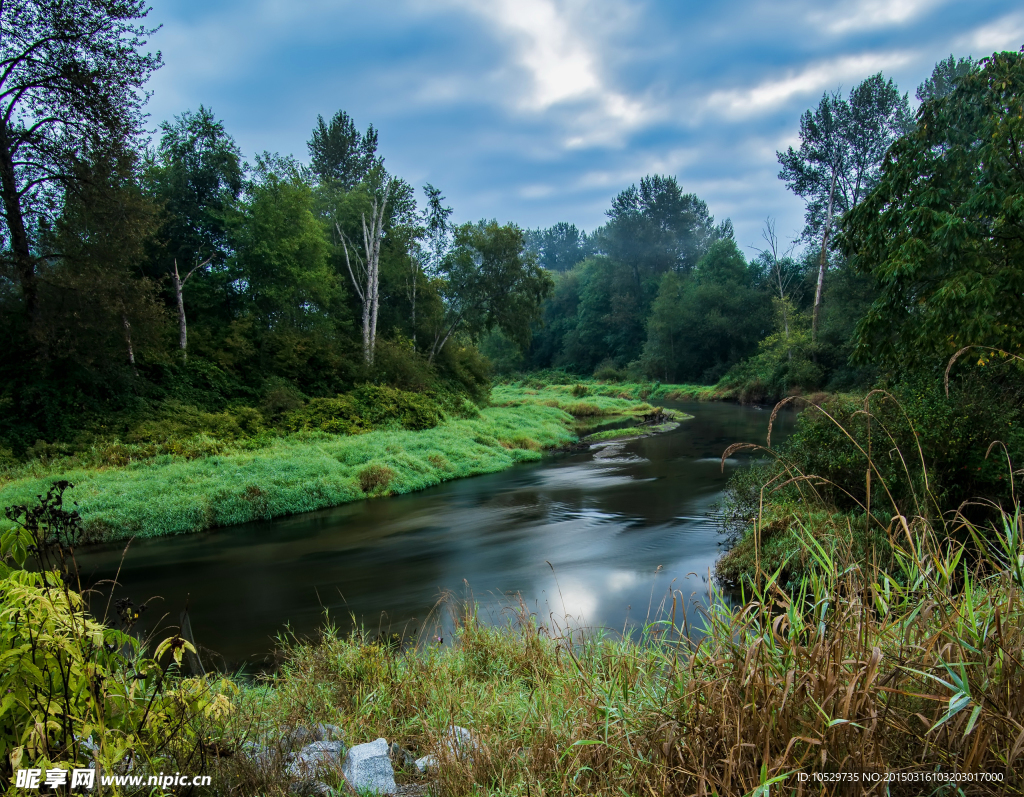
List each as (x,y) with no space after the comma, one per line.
(539,111)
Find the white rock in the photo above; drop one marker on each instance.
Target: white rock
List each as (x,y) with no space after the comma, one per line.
(459,742)
(316,758)
(426,764)
(367,767)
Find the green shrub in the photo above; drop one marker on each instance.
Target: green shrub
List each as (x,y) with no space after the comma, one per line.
(382,406)
(335,415)
(71,682)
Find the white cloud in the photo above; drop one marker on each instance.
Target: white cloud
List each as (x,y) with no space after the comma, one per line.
(769,95)
(559,47)
(1004,34)
(871,14)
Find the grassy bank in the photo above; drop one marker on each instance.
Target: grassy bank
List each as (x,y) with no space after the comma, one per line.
(555,385)
(308,470)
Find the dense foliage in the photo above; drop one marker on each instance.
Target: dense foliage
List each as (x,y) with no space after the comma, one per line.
(943,234)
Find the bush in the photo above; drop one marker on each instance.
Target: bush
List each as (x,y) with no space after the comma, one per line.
(68,676)
(382,406)
(607,372)
(375,479)
(335,415)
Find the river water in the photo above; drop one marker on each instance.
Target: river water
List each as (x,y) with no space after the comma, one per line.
(586,540)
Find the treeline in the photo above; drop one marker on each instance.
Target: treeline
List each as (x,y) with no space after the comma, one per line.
(144,278)
(662,292)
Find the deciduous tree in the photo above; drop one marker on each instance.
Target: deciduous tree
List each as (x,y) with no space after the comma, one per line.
(72,76)
(943,232)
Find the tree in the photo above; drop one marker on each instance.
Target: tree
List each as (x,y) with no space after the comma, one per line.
(437,233)
(367,284)
(559,247)
(71,88)
(198,178)
(657,228)
(294,298)
(943,233)
(946,74)
(340,154)
(842,145)
(99,307)
(781,273)
(488,281)
(703,322)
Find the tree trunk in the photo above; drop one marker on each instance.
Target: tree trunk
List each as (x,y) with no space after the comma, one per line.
(822,262)
(23,261)
(128,340)
(182,326)
(179,283)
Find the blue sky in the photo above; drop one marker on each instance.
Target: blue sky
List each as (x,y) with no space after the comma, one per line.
(539,111)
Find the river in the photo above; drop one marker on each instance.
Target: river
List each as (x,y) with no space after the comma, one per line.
(597,541)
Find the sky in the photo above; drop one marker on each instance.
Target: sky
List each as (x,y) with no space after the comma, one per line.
(540,111)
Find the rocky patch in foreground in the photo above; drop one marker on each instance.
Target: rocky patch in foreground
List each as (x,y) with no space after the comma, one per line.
(314,758)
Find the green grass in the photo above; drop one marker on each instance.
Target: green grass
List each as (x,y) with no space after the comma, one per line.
(309,470)
(597,390)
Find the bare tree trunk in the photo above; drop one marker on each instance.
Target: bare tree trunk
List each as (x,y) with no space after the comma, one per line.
(182,326)
(369,294)
(823,261)
(179,283)
(128,341)
(23,260)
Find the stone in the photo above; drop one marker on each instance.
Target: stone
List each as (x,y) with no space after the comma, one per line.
(316,758)
(258,754)
(426,764)
(367,768)
(400,754)
(459,741)
(325,732)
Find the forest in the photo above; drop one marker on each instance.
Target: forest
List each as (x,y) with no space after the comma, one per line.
(163,295)
(195,338)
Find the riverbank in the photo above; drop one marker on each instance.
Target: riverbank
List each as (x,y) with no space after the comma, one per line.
(912,674)
(314,469)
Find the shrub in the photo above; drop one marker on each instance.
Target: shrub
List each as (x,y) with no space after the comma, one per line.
(375,478)
(68,677)
(335,415)
(382,406)
(607,372)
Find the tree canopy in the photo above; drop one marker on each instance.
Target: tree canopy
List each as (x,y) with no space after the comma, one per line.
(943,233)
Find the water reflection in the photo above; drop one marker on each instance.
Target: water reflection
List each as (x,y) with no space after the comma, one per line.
(600,540)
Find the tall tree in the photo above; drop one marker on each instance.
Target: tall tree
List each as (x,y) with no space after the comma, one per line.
(292,295)
(946,74)
(366,274)
(559,247)
(489,281)
(657,228)
(943,233)
(842,145)
(437,234)
(198,178)
(72,74)
(341,154)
